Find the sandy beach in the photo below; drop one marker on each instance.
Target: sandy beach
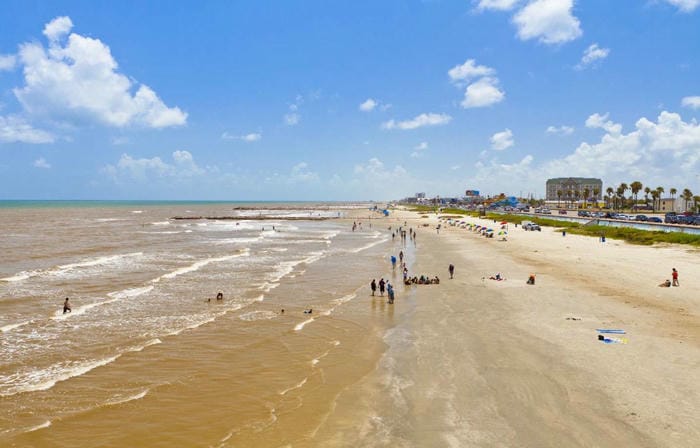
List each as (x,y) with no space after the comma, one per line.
(479,362)
(468,362)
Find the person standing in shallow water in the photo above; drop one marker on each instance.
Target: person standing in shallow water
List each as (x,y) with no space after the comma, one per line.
(451,269)
(381,286)
(674,276)
(66,307)
(373,286)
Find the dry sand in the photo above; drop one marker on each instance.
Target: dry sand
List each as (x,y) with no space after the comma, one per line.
(483,363)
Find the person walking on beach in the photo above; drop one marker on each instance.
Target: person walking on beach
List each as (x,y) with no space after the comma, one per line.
(393,262)
(451,269)
(390,292)
(66,307)
(674,276)
(381,286)
(373,286)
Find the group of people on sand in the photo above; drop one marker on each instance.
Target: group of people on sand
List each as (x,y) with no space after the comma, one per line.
(668,283)
(422,280)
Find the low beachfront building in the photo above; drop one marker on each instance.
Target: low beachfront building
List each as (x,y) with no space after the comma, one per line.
(677,205)
(565,188)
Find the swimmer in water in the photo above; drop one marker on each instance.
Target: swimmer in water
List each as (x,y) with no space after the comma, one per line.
(309,311)
(220,296)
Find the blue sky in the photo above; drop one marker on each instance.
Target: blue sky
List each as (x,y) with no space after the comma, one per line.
(346,100)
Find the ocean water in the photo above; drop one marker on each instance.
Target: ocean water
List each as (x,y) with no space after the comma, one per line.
(148,357)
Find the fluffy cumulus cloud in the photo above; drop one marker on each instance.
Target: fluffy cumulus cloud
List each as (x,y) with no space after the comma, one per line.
(368,105)
(692,102)
(14,129)
(592,56)
(502,140)
(549,21)
(292,119)
(429,119)
(560,130)
(77,77)
(497,5)
(129,168)
(482,93)
(685,5)
(598,121)
(7,61)
(647,153)
(41,163)
(469,70)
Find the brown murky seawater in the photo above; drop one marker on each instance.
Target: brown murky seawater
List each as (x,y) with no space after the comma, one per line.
(145,359)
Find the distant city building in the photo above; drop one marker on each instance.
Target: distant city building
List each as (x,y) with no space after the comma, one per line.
(470,193)
(420,195)
(571,185)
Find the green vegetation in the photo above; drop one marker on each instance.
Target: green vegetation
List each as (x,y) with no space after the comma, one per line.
(628,234)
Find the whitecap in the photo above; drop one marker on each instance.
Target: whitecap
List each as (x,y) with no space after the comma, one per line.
(119,399)
(301,325)
(296,386)
(199,264)
(132,292)
(9,327)
(46,424)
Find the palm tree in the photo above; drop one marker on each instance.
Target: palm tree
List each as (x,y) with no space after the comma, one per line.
(687,197)
(577,195)
(636,187)
(672,191)
(647,190)
(586,192)
(660,191)
(696,199)
(654,197)
(621,194)
(569,195)
(596,192)
(559,193)
(610,192)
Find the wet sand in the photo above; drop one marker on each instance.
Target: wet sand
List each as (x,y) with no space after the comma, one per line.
(479,362)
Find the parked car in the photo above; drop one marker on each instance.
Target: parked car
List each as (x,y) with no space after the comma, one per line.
(562,212)
(529,225)
(654,219)
(546,211)
(642,218)
(584,213)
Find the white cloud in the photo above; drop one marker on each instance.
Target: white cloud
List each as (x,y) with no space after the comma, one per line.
(419,149)
(15,129)
(469,70)
(597,121)
(41,163)
(498,5)
(58,27)
(455,167)
(429,119)
(648,153)
(7,62)
(562,130)
(549,21)
(592,55)
(145,170)
(77,78)
(482,93)
(248,138)
(691,101)
(117,141)
(684,5)
(502,140)
(368,105)
(292,119)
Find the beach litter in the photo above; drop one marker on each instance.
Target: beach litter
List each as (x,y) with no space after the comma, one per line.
(612,339)
(608,331)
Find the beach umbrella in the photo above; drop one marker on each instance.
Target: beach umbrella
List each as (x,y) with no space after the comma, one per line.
(503,232)
(489,230)
(504,222)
